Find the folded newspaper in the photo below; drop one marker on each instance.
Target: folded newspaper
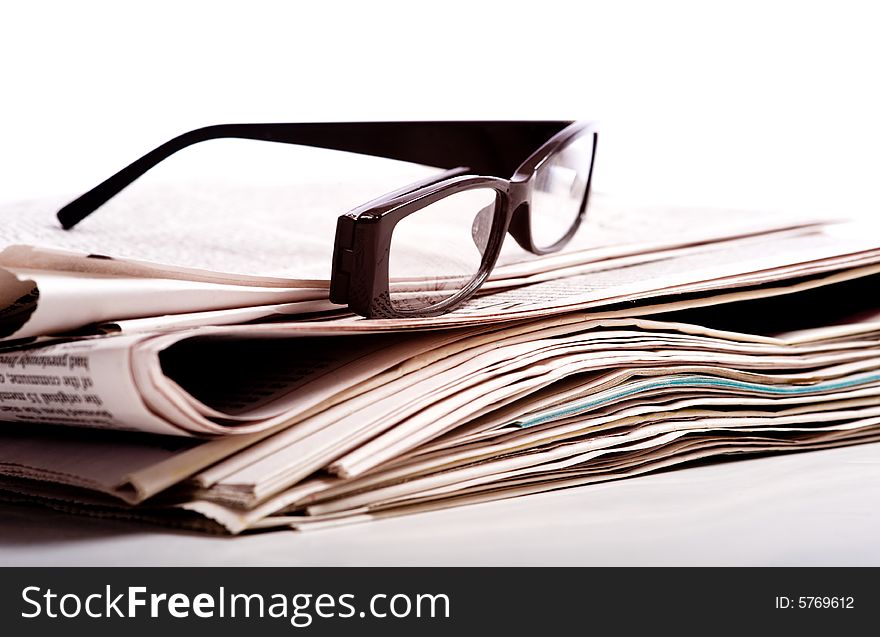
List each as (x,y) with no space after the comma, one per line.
(209,383)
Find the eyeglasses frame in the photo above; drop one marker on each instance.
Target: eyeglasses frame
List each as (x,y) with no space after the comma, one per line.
(363,236)
(362,246)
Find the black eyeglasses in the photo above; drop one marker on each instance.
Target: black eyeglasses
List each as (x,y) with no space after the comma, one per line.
(427,248)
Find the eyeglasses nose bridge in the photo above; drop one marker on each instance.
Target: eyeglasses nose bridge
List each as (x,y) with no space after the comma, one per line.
(519,226)
(519,193)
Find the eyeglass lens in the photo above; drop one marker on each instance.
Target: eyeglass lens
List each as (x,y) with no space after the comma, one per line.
(434,251)
(559,188)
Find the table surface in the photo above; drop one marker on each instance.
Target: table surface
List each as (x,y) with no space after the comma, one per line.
(814,508)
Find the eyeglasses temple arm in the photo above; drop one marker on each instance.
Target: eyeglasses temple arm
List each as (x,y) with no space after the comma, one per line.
(84,205)
(486,147)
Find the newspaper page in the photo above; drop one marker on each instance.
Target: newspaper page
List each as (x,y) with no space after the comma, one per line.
(243,262)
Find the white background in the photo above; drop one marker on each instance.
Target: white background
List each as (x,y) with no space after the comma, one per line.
(758,104)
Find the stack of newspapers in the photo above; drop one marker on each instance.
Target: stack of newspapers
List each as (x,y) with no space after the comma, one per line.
(190,371)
